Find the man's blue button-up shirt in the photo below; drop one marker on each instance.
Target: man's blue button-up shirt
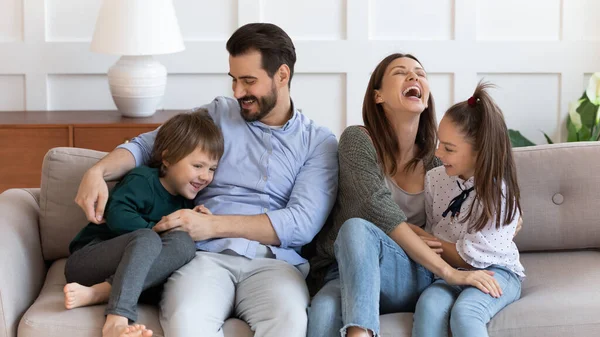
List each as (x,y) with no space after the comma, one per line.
(289,172)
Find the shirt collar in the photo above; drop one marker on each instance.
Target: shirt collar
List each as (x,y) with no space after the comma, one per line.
(287,124)
(466,184)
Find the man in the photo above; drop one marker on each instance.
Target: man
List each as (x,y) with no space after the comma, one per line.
(271,194)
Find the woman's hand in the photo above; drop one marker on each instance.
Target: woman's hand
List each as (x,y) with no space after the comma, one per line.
(480,279)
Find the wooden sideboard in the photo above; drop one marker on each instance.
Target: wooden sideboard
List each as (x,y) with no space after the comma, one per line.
(26,136)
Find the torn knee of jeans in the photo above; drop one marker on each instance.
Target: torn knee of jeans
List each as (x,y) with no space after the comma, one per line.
(347,326)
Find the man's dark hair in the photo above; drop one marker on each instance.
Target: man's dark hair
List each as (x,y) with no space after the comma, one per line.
(274,45)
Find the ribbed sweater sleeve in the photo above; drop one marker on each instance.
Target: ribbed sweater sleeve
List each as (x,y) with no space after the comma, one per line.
(362,193)
(362,183)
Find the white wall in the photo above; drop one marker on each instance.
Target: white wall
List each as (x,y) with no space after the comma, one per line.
(539,53)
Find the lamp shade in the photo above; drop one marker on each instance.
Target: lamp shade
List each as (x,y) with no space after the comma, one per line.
(137,27)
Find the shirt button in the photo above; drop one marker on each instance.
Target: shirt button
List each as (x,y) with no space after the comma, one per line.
(265,210)
(265,178)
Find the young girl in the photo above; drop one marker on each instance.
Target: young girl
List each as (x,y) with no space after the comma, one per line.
(115,262)
(472,206)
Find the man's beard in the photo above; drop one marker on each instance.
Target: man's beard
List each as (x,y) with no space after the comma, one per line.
(265,106)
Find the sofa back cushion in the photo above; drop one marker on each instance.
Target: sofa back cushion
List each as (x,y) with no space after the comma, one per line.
(60,217)
(560,196)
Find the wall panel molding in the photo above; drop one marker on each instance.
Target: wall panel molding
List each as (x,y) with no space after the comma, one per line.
(46,62)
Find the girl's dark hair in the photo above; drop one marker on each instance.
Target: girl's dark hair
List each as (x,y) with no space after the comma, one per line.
(275,46)
(381,130)
(482,123)
(182,134)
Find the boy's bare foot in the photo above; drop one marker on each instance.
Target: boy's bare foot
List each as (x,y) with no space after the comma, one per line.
(136,330)
(116,326)
(77,295)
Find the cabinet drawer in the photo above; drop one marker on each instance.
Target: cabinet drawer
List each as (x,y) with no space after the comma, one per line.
(106,138)
(22,153)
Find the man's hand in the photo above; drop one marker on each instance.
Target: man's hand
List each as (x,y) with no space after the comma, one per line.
(197,224)
(92,196)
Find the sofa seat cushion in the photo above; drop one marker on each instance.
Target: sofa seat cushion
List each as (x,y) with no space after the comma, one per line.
(48,317)
(560,297)
(396,325)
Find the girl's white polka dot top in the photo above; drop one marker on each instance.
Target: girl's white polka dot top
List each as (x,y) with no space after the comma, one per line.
(490,246)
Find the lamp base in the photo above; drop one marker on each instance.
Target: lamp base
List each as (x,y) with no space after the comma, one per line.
(137,85)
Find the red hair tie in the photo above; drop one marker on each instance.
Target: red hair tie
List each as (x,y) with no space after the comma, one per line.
(472,101)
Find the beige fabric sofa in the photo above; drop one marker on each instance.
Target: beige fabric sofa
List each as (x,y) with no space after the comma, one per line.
(36,226)
(559,242)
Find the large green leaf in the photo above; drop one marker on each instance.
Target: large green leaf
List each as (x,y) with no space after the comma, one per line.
(588,112)
(572,135)
(518,140)
(585,133)
(596,133)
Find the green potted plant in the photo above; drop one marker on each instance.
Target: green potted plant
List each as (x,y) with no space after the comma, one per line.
(583,122)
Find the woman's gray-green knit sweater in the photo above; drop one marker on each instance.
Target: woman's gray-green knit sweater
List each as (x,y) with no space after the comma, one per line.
(362,193)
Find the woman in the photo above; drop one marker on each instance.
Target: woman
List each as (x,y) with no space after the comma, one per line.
(372,260)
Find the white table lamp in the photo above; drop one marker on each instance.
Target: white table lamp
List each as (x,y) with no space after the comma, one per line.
(137,29)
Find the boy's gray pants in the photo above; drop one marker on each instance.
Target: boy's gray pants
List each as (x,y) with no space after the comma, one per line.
(131,263)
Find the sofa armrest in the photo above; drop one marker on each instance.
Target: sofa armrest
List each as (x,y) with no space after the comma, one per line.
(21,263)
